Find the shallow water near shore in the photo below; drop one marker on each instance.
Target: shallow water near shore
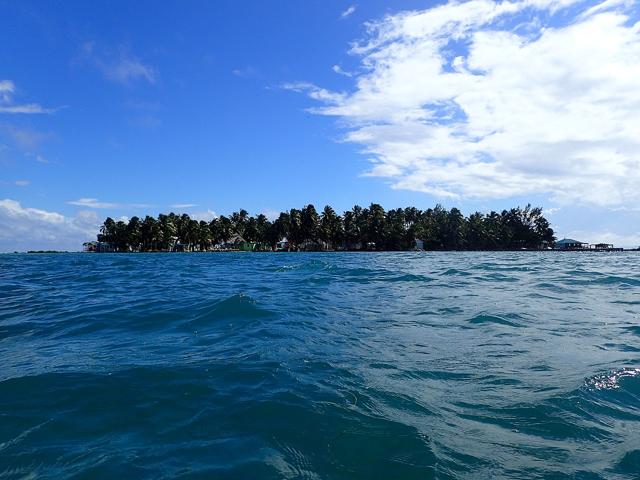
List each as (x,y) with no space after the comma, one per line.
(515,365)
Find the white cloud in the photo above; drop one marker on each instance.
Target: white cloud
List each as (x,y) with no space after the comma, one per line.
(94,203)
(121,66)
(7,87)
(26,108)
(22,183)
(316,93)
(206,215)
(607,5)
(338,69)
(271,214)
(348,12)
(23,228)
(7,105)
(550,211)
(492,100)
(183,205)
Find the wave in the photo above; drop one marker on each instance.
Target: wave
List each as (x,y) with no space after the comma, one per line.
(495,319)
(634,329)
(608,280)
(614,379)
(235,311)
(310,266)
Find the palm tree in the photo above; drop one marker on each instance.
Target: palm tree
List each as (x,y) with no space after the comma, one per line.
(476,232)
(455,227)
(251,230)
(108,230)
(120,236)
(376,225)
(225,228)
(134,237)
(309,224)
(295,228)
(331,227)
(351,228)
(193,234)
(280,229)
(263,225)
(239,220)
(204,236)
(148,233)
(168,232)
(182,228)
(396,230)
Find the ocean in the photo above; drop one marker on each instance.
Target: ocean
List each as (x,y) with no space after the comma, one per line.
(422,365)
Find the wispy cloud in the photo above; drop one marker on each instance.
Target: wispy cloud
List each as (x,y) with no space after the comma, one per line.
(551,211)
(120,66)
(245,72)
(460,100)
(25,138)
(145,121)
(22,183)
(26,108)
(7,87)
(183,205)
(8,105)
(338,69)
(348,12)
(317,93)
(37,157)
(95,203)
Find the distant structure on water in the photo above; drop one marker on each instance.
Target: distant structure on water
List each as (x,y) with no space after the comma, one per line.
(569,244)
(98,247)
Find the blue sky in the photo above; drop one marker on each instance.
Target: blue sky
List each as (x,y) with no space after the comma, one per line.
(134,108)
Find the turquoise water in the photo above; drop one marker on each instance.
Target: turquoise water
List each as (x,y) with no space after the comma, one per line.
(320,366)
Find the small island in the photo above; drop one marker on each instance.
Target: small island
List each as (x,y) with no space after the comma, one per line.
(306,229)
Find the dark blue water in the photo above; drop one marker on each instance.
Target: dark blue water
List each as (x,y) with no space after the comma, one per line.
(320,366)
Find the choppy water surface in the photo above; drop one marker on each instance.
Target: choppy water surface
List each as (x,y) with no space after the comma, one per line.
(320,366)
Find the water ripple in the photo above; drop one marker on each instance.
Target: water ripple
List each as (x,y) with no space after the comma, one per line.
(321,366)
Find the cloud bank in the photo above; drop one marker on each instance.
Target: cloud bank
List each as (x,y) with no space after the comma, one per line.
(493,100)
(23,228)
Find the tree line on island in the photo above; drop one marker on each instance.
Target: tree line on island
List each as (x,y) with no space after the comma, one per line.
(360,228)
